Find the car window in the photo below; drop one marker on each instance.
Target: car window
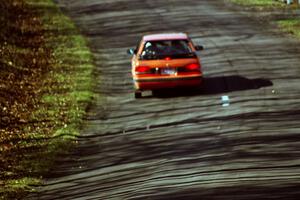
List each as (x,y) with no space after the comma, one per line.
(170,48)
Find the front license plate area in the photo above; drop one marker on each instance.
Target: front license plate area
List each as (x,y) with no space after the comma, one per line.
(168,71)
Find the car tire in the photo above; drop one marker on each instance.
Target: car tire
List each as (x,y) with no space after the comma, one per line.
(138,94)
(155,92)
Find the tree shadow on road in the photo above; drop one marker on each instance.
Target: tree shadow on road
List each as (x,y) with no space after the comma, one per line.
(216,85)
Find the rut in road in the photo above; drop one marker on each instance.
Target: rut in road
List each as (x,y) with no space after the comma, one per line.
(185,144)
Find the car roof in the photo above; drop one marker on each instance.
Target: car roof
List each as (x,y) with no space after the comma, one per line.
(165,36)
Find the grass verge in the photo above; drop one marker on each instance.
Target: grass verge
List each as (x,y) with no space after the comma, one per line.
(45,86)
(291,26)
(261,4)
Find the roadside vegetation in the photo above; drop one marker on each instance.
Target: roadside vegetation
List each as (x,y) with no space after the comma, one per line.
(260,3)
(290,25)
(45,86)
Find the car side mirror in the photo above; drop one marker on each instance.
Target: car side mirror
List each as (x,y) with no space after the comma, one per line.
(199,47)
(131,51)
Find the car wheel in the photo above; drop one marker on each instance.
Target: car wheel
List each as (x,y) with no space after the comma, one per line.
(137,94)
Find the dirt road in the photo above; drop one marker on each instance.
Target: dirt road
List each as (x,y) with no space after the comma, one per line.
(186,144)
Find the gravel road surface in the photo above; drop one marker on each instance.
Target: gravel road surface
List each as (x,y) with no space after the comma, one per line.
(186,144)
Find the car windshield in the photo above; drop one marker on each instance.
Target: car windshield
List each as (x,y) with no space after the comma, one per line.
(166,48)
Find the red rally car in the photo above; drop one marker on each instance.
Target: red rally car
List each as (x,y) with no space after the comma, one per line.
(165,61)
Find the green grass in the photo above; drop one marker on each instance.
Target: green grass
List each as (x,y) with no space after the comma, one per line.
(291,26)
(24,183)
(71,77)
(261,4)
(65,92)
(70,80)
